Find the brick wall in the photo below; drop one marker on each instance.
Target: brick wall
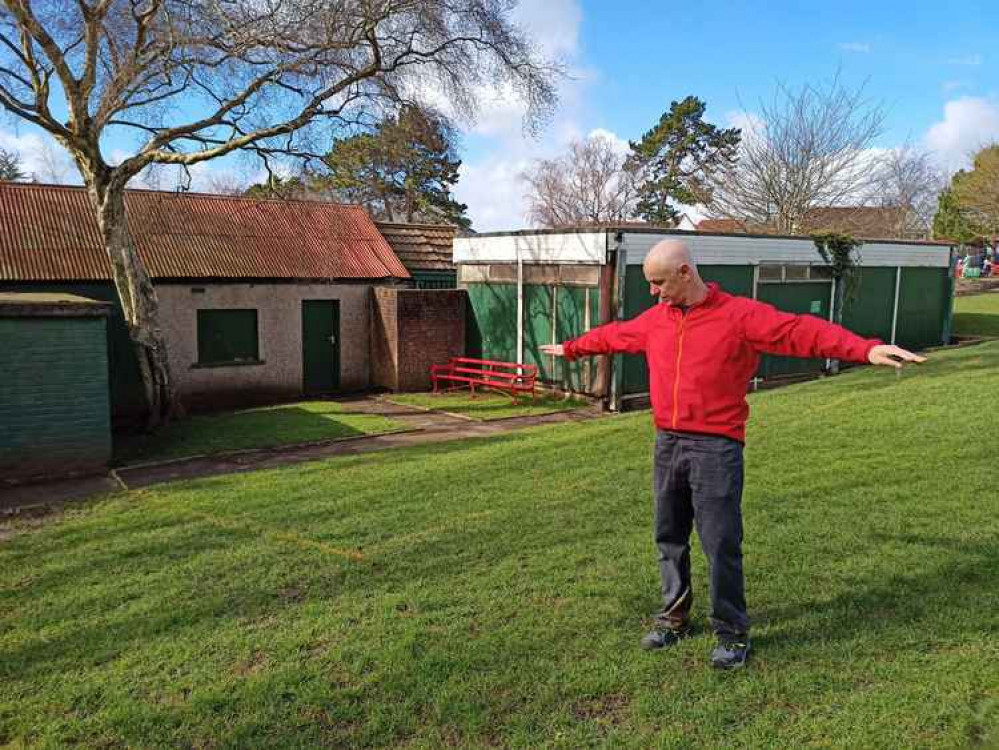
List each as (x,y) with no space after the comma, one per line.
(413,329)
(54,398)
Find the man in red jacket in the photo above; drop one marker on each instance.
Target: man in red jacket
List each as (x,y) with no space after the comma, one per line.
(703,347)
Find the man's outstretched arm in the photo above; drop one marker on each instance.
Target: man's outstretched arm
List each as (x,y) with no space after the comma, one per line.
(776,332)
(625,337)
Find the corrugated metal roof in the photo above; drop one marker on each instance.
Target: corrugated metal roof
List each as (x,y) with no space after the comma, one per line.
(420,247)
(50,232)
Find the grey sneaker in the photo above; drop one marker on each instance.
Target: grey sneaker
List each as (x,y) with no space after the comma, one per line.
(661,637)
(730,654)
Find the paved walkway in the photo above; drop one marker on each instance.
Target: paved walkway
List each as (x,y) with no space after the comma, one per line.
(420,427)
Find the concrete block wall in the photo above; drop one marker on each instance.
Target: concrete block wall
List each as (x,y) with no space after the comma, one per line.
(54,397)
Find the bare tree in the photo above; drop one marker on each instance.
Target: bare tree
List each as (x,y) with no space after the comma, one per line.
(908,181)
(810,148)
(589,184)
(256,74)
(54,166)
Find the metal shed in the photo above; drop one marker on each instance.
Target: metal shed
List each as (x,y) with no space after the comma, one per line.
(54,403)
(533,287)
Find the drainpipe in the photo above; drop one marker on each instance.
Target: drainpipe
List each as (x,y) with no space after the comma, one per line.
(605,314)
(894,306)
(620,268)
(520,303)
(948,326)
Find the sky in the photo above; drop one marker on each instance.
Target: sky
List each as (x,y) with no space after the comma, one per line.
(934,66)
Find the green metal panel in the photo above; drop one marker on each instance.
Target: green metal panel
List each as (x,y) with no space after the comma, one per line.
(320,345)
(732,279)
(127,395)
(435,279)
(923,303)
(539,307)
(571,302)
(636,301)
(54,402)
(870,303)
(811,298)
(226,336)
(492,325)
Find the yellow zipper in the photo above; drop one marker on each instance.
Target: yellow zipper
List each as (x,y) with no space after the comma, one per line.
(676,375)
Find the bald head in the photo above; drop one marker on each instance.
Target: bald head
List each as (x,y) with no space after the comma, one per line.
(668,255)
(672,274)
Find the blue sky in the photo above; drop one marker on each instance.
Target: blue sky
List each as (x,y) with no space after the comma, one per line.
(934,65)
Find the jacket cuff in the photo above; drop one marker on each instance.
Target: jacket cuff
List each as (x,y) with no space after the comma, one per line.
(868,345)
(568,351)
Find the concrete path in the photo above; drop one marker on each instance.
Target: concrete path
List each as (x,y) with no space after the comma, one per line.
(420,427)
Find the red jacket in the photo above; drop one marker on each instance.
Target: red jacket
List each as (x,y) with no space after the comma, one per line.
(701,362)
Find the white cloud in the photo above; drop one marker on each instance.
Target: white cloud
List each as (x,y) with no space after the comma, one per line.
(42,159)
(975,59)
(968,124)
(490,184)
(861,47)
(751,124)
(494,193)
(620,144)
(952,86)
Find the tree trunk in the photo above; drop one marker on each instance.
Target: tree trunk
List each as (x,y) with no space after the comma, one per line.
(139,305)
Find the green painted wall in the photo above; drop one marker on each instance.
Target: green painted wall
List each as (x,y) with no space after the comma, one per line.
(923,304)
(54,402)
(127,398)
(570,323)
(870,304)
(811,298)
(491,329)
(538,321)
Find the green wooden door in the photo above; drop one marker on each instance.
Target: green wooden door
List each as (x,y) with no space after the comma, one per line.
(320,345)
(804,298)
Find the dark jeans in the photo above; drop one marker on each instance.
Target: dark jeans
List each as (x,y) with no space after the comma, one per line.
(698,481)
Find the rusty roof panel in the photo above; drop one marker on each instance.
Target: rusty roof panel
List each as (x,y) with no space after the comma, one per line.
(50,232)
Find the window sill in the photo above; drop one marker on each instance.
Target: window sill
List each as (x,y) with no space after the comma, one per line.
(239,363)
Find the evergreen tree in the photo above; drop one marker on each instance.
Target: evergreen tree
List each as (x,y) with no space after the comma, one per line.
(674,159)
(402,171)
(10,166)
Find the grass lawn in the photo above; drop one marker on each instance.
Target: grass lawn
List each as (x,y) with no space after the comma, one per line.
(491,592)
(487,405)
(266,427)
(977,315)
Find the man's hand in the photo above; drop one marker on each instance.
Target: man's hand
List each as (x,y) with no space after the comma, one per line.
(553,349)
(892,356)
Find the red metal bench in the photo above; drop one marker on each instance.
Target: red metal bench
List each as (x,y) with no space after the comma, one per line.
(509,377)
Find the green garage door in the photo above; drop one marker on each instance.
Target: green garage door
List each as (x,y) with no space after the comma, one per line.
(805,297)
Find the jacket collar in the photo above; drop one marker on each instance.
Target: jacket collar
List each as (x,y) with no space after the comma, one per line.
(713,293)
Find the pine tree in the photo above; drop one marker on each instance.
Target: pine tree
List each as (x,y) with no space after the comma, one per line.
(675,157)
